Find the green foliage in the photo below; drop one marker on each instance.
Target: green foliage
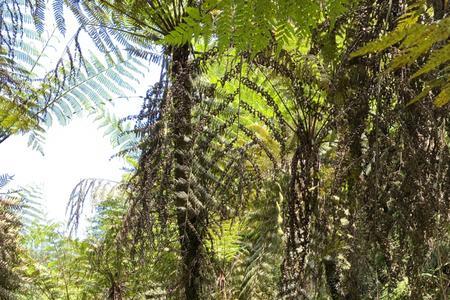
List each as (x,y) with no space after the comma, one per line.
(266,163)
(416,39)
(56,266)
(227,23)
(99,266)
(187,30)
(262,248)
(18,208)
(401,291)
(10,225)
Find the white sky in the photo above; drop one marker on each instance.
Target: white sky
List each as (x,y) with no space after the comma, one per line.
(73,152)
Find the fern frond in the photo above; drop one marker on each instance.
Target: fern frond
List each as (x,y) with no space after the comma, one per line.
(91,188)
(415,40)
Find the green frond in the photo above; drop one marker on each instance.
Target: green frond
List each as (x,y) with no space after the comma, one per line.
(437,58)
(416,40)
(443,97)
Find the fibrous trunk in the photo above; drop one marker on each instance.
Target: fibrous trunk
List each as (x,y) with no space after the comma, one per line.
(299,208)
(188,216)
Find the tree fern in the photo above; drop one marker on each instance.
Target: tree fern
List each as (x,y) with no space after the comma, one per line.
(177,178)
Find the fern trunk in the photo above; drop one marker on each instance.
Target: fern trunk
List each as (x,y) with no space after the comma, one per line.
(302,203)
(188,216)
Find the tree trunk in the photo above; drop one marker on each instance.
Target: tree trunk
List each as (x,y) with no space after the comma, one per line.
(301,204)
(188,216)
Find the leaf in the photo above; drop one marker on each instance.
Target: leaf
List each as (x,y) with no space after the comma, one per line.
(437,58)
(384,42)
(443,97)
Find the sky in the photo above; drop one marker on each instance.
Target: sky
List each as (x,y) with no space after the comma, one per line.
(71,153)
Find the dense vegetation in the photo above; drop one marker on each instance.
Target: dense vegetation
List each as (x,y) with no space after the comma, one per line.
(289,150)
